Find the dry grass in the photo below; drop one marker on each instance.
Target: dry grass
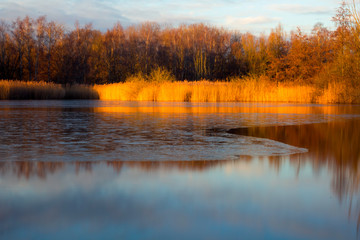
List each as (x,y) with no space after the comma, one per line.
(42,90)
(237,90)
(78,91)
(241,90)
(339,92)
(30,90)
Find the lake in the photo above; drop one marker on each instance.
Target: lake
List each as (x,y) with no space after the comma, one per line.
(152,170)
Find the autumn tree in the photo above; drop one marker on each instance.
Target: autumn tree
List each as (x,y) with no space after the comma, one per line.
(322,42)
(167,50)
(354,9)
(254,54)
(98,71)
(343,65)
(115,54)
(342,35)
(182,53)
(8,62)
(200,37)
(39,43)
(277,49)
(53,34)
(133,56)
(18,30)
(77,52)
(149,39)
(301,60)
(219,47)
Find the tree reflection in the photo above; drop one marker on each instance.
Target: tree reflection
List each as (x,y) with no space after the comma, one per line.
(332,145)
(28,169)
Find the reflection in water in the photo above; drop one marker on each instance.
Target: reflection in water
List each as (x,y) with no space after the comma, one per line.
(252,198)
(178,170)
(335,145)
(31,169)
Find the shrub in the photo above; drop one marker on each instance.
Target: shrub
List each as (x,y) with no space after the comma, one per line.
(160,75)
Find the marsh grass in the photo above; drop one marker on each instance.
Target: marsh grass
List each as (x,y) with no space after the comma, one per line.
(78,91)
(237,90)
(19,90)
(138,88)
(339,92)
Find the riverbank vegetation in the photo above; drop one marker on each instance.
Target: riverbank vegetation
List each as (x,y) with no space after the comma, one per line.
(188,63)
(19,90)
(259,89)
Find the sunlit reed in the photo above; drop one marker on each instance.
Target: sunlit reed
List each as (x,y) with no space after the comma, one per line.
(248,90)
(238,90)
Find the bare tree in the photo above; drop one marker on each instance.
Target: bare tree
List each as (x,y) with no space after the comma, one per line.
(114,41)
(28,35)
(39,42)
(4,29)
(355,12)
(17,35)
(53,33)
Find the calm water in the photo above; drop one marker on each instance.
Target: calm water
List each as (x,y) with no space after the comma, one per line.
(140,170)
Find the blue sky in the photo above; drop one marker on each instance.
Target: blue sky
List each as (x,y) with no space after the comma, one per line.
(255,16)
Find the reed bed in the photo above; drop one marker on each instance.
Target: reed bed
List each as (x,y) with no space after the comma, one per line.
(78,91)
(339,92)
(19,90)
(30,90)
(205,91)
(238,90)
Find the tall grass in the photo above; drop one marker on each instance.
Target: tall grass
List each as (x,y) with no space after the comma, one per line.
(239,90)
(140,88)
(250,89)
(339,92)
(42,90)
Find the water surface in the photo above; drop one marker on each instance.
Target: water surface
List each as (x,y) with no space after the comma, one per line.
(144,170)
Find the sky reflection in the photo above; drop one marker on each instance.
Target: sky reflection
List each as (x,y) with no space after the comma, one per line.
(232,199)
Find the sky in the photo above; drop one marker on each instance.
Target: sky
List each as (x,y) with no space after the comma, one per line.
(255,16)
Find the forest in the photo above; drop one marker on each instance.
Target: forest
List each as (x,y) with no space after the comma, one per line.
(39,50)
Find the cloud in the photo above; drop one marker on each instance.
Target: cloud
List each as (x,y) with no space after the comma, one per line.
(236,14)
(251,20)
(199,5)
(302,9)
(255,25)
(100,13)
(103,14)
(174,12)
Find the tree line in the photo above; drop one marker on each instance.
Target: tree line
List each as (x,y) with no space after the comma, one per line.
(42,50)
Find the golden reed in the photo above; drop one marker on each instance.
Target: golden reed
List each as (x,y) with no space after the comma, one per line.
(205,91)
(259,89)
(241,90)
